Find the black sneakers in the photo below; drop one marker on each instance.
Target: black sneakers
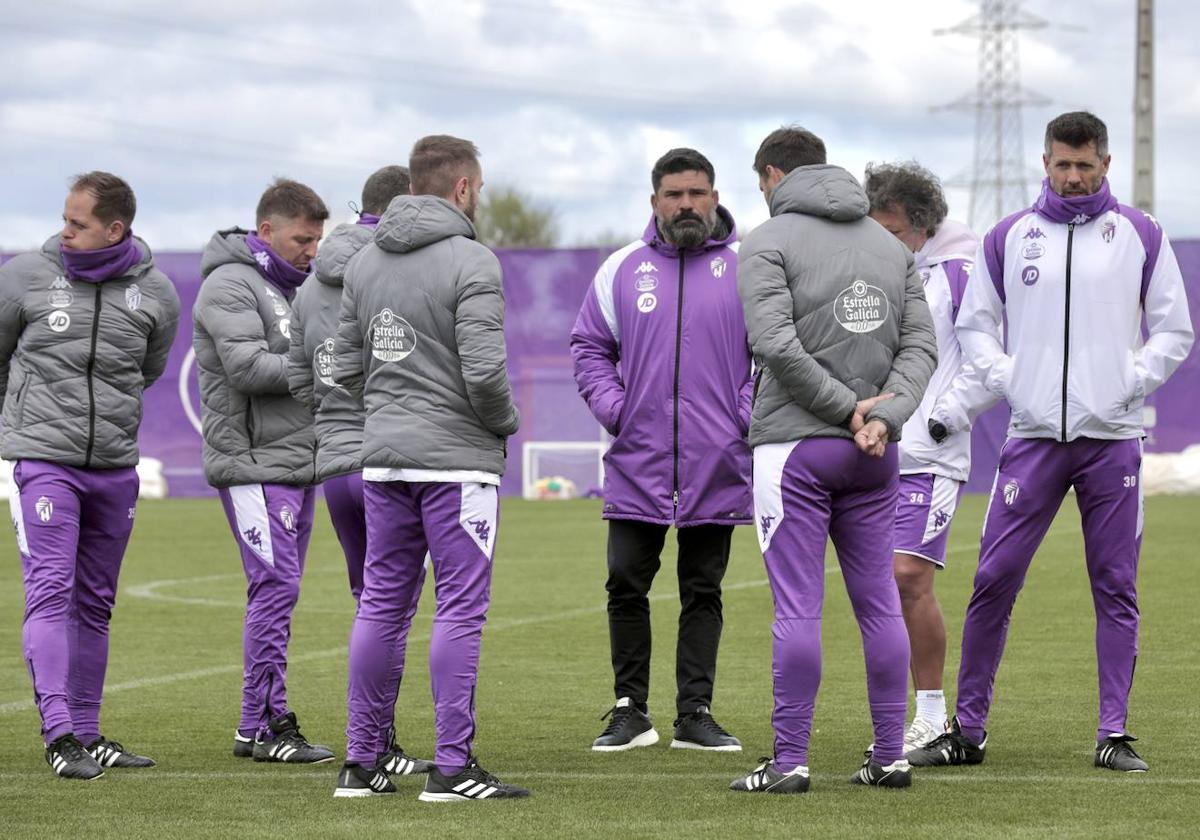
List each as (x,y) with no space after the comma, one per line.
(243,747)
(111,754)
(473,783)
(766,779)
(698,731)
(289,745)
(356,781)
(1115,753)
(398,763)
(628,727)
(67,757)
(951,747)
(898,774)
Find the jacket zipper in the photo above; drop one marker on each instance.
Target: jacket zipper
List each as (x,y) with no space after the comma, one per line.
(675,393)
(1067,332)
(91,367)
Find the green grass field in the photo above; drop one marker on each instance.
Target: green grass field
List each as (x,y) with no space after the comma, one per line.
(174,682)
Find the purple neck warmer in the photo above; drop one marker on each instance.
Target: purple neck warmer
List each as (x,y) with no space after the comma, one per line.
(1078,209)
(368,220)
(275,269)
(103,263)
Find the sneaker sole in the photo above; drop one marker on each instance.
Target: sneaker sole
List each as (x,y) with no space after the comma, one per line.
(646,739)
(425,796)
(676,744)
(80,778)
(360,793)
(301,763)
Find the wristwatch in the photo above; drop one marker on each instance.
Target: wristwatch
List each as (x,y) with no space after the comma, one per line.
(938,431)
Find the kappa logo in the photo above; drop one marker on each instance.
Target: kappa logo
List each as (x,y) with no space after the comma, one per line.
(132,511)
(323,363)
(765,524)
(1108,230)
(264,260)
(59,320)
(1081,219)
(482,529)
(133,297)
(253,537)
(1034,233)
(646,268)
(718,266)
(44,508)
(60,282)
(391,337)
(646,303)
(1029,275)
(1011,490)
(925,275)
(940,519)
(285,516)
(862,308)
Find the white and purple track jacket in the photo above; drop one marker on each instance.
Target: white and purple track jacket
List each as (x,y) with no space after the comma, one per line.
(955,396)
(1074,277)
(662,360)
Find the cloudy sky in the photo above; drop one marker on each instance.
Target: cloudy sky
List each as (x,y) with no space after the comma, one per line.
(200,104)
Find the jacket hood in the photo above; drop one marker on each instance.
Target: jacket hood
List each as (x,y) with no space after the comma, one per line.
(725,234)
(823,190)
(343,242)
(953,241)
(226,246)
(414,221)
(50,250)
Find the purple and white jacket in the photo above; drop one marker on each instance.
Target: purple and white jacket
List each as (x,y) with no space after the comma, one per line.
(662,360)
(1074,276)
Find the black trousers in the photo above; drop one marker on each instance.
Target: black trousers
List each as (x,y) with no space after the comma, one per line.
(634,549)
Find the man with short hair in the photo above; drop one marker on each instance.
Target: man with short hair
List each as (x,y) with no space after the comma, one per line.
(838,322)
(935,445)
(338,417)
(86,325)
(259,445)
(421,342)
(665,309)
(1073,276)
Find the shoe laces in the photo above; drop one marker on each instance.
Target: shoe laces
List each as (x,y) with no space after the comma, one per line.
(619,715)
(707,721)
(479,773)
(112,745)
(1122,747)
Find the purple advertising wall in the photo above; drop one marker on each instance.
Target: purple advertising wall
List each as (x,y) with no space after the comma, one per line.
(544,289)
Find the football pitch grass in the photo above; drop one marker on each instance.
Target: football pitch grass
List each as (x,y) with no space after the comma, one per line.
(174,689)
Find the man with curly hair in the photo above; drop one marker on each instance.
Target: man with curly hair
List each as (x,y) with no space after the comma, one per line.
(935,444)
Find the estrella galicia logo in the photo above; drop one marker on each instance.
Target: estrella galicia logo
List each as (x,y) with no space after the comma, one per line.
(861,308)
(765,524)
(391,337)
(1030,274)
(133,297)
(1033,251)
(482,529)
(44,508)
(60,298)
(1011,490)
(285,516)
(646,283)
(1034,233)
(717,266)
(253,537)
(323,363)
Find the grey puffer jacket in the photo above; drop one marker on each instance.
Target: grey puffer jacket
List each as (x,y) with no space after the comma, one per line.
(315,309)
(254,431)
(422,339)
(75,357)
(835,312)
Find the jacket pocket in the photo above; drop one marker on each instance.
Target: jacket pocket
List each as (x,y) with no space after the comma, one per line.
(251,422)
(19,401)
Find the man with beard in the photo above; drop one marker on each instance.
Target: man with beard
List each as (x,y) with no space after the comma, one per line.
(837,318)
(85,327)
(665,309)
(421,342)
(259,445)
(338,418)
(1073,276)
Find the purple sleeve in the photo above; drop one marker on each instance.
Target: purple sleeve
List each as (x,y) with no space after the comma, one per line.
(595,353)
(993,249)
(958,272)
(1151,236)
(746,402)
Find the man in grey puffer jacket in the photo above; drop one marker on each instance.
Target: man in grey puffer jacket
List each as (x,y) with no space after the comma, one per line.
(421,339)
(85,327)
(338,417)
(259,447)
(838,322)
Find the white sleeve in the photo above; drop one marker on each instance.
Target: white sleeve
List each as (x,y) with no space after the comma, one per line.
(979,329)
